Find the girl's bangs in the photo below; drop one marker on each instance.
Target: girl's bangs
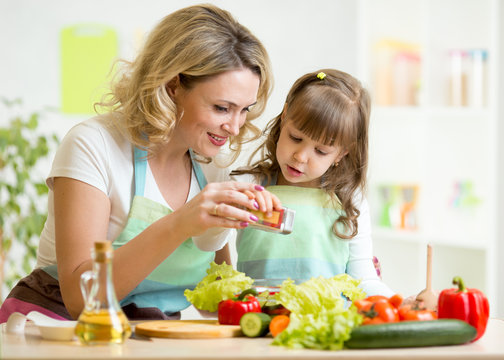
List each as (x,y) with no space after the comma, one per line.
(322,118)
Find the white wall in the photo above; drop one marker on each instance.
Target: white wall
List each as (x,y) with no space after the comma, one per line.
(300,36)
(500,174)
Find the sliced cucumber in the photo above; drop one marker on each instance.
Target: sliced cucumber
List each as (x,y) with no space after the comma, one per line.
(255,324)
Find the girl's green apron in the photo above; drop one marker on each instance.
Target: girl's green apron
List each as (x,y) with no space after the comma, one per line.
(311,250)
(183,269)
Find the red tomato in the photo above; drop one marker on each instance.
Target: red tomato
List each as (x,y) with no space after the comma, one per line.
(416,313)
(396,300)
(376,310)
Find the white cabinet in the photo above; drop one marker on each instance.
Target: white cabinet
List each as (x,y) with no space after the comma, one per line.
(431,67)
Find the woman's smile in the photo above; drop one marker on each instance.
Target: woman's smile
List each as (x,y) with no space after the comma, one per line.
(217,140)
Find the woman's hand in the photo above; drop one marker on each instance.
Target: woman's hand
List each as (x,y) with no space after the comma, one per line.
(224,204)
(266,201)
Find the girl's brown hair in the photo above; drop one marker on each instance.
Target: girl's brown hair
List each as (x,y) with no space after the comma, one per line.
(194,43)
(333,109)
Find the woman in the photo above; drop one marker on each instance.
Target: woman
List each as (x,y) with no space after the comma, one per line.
(131,175)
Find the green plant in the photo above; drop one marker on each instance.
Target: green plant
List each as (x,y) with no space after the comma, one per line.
(23,192)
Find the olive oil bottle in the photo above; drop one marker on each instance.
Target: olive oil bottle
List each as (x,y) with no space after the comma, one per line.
(102,321)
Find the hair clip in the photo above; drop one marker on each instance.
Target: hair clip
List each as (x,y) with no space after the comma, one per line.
(321,75)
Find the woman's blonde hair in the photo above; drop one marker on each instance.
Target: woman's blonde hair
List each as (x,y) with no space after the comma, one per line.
(194,43)
(332,108)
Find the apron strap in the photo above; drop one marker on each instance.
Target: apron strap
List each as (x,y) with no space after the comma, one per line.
(141,167)
(202,182)
(140,170)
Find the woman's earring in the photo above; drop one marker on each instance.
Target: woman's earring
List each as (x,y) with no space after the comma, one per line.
(336,164)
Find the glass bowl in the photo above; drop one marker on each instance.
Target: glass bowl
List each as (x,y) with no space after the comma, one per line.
(272,285)
(267,288)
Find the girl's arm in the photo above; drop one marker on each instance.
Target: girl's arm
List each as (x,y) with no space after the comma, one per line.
(360,264)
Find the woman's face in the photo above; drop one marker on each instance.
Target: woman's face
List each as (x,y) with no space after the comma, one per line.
(303,160)
(214,110)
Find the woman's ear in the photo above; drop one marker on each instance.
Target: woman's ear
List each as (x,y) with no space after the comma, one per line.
(172,86)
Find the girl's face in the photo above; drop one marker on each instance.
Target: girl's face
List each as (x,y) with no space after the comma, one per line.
(302,160)
(214,110)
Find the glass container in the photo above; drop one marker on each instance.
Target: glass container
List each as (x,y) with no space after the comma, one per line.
(102,321)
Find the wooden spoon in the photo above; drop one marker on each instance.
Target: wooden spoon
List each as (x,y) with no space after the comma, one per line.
(428,296)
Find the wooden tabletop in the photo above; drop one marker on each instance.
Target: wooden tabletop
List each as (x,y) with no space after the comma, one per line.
(31,346)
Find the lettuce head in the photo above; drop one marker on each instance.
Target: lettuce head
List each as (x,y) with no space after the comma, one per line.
(320,317)
(221,282)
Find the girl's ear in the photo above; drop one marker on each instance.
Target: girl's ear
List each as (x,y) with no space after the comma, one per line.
(172,86)
(340,156)
(284,110)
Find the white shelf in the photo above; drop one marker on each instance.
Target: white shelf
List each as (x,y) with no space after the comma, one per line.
(448,152)
(429,111)
(421,238)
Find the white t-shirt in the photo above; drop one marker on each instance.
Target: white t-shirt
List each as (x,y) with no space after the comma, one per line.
(97,152)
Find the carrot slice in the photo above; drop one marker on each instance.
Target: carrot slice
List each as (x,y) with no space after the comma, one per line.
(278,324)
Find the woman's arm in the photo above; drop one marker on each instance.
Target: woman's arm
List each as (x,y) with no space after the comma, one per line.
(81,217)
(82,214)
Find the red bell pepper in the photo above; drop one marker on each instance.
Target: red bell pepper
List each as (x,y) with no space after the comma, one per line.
(469,305)
(230,311)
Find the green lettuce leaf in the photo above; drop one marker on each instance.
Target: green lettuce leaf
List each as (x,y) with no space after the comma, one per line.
(324,331)
(320,317)
(318,294)
(221,282)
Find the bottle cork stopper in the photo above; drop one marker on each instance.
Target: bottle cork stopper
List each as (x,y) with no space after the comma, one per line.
(102,251)
(101,246)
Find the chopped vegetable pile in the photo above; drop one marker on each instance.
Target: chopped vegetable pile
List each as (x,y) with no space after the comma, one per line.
(322,313)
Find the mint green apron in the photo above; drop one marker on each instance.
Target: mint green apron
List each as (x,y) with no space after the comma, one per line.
(159,296)
(311,250)
(183,269)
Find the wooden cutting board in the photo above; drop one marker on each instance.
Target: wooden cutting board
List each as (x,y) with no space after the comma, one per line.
(187,329)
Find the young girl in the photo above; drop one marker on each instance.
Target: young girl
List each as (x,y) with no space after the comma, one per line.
(315,161)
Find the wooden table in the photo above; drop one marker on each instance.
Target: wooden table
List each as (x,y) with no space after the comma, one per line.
(31,346)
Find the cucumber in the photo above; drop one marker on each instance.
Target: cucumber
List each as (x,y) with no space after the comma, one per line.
(255,324)
(411,334)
